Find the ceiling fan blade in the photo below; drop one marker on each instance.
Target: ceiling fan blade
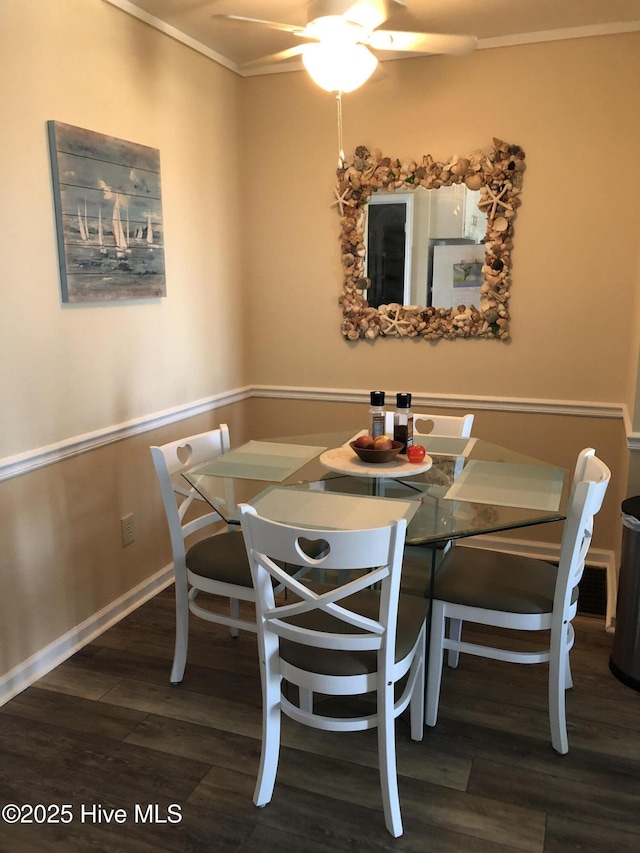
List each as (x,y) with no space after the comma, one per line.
(420,42)
(289,53)
(273,25)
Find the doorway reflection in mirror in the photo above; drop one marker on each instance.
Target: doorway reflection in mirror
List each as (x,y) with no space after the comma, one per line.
(407,236)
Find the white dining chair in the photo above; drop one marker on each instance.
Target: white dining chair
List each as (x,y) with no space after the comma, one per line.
(452,426)
(216,565)
(422,560)
(343,640)
(509,591)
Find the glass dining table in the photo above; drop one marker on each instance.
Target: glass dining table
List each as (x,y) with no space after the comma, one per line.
(465,487)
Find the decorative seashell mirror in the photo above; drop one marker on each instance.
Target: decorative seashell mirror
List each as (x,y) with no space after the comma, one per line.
(420,263)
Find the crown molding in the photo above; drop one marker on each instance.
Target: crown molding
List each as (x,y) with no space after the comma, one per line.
(589,31)
(174,33)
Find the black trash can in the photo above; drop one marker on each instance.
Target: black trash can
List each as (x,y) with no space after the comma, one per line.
(624,662)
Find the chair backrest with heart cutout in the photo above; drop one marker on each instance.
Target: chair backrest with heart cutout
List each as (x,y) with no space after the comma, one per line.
(446,425)
(170,460)
(334,625)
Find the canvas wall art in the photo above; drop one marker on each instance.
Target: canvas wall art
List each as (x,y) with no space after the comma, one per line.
(108,209)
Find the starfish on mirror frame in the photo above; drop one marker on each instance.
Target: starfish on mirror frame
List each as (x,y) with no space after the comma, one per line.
(398,325)
(341,201)
(493,200)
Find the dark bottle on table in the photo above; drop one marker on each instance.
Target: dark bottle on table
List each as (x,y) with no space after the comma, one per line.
(403,421)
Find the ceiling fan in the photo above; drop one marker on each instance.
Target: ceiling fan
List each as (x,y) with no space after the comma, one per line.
(341,32)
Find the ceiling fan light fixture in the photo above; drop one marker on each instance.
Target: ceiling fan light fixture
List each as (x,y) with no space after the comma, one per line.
(333,28)
(338,67)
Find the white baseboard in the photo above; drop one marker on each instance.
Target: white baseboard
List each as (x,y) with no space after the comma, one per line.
(39,664)
(597,557)
(43,661)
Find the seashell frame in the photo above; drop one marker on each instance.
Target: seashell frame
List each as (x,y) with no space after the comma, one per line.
(497,172)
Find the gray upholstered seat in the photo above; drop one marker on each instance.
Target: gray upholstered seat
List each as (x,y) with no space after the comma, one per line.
(222,558)
(496,581)
(412,612)
(507,591)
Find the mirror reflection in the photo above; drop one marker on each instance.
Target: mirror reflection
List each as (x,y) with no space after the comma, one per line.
(426,248)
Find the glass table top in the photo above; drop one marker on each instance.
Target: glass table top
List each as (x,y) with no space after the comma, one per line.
(472,487)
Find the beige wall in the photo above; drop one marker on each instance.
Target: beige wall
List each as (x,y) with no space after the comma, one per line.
(571,105)
(71,369)
(253,274)
(68,370)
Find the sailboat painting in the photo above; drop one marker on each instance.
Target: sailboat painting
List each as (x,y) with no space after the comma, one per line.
(108,208)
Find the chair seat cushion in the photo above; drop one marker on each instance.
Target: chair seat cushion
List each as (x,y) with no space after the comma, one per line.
(222,558)
(412,612)
(493,580)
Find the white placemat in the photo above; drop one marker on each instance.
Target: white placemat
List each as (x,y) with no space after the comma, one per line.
(509,484)
(331,510)
(262,460)
(343,460)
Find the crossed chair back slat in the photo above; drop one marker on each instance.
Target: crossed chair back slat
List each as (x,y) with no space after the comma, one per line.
(373,551)
(338,622)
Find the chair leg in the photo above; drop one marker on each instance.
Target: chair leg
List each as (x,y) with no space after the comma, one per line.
(182,631)
(234,612)
(416,707)
(387,761)
(271,723)
(455,633)
(558,672)
(568,681)
(434,669)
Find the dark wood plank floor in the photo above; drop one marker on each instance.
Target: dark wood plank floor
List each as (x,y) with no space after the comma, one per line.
(106,731)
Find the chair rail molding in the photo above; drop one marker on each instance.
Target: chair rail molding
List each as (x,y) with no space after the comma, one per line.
(31,460)
(528,405)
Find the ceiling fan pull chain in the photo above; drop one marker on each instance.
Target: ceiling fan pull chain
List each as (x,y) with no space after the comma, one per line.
(340,145)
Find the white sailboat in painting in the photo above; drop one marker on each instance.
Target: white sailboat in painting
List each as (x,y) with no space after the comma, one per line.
(118,231)
(149,231)
(103,249)
(83,225)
